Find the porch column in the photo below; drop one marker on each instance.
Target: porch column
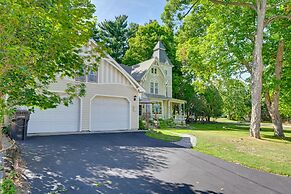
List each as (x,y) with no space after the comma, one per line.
(163,110)
(169,110)
(180,109)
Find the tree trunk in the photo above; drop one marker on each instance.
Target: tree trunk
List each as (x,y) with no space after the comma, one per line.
(257,71)
(273,104)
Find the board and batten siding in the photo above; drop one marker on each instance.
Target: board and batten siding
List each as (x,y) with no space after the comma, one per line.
(111,83)
(156,78)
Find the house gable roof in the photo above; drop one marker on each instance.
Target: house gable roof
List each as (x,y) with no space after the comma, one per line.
(139,70)
(111,61)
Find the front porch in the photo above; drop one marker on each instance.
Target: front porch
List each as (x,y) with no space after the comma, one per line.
(162,108)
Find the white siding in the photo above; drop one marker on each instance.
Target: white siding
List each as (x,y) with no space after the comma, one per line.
(111,82)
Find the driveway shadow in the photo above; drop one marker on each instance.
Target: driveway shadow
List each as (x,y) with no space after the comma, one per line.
(99,163)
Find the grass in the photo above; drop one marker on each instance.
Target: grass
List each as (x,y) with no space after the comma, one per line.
(163,136)
(231,142)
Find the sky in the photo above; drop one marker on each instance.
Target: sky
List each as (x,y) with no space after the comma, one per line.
(138,11)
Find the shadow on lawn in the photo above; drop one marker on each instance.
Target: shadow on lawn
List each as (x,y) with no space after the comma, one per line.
(219,127)
(272,137)
(98,163)
(229,127)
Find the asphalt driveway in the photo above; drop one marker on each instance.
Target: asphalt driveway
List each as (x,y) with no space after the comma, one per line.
(133,163)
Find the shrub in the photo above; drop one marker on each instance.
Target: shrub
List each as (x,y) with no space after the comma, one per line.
(167,123)
(6,130)
(142,124)
(8,186)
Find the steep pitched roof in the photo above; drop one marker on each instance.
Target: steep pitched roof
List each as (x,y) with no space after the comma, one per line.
(138,71)
(160,53)
(159,45)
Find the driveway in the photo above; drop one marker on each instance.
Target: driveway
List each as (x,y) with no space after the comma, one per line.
(133,163)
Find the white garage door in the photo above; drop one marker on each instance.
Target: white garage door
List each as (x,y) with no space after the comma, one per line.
(109,113)
(60,119)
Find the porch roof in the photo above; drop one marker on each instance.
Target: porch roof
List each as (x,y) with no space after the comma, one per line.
(151,98)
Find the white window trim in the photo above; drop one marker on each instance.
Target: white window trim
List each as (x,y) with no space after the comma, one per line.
(156,88)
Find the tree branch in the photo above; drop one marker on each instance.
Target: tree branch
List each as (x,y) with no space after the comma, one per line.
(241,4)
(190,9)
(277,17)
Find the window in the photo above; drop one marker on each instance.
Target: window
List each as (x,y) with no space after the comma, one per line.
(152,88)
(92,76)
(157,108)
(154,70)
(156,88)
(81,78)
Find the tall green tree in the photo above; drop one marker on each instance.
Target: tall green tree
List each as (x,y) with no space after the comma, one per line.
(39,41)
(277,71)
(214,102)
(263,15)
(236,99)
(114,35)
(142,44)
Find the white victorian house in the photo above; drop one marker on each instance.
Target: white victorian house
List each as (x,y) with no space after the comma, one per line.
(116,97)
(155,76)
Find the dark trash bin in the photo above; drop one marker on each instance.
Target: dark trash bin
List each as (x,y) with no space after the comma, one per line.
(19,125)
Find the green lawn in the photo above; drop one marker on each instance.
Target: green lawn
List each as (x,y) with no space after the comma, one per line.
(163,136)
(231,142)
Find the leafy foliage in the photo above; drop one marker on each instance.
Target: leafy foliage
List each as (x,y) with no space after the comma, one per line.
(236,99)
(142,124)
(278,31)
(40,41)
(142,44)
(205,103)
(7,185)
(114,35)
(166,123)
(216,41)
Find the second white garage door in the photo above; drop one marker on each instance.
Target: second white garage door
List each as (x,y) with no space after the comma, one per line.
(109,113)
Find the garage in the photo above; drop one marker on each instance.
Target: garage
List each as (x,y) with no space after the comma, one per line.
(60,119)
(110,113)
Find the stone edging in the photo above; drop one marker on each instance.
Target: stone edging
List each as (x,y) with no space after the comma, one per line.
(187,141)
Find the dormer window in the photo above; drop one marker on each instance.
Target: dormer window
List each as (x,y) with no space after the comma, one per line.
(90,77)
(81,78)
